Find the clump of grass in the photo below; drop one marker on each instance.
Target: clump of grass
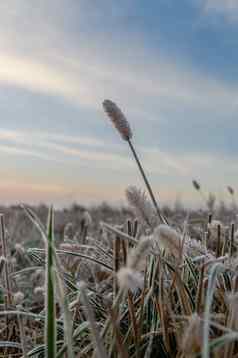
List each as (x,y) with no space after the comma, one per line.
(164,306)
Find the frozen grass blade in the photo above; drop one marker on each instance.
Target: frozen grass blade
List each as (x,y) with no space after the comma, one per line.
(223,340)
(5,259)
(116,263)
(10,345)
(199,290)
(215,271)
(50,325)
(77,254)
(83,327)
(68,322)
(99,350)
(22,336)
(231,248)
(36,221)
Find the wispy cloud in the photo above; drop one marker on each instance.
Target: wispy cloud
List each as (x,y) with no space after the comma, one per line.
(18,151)
(52,146)
(88,84)
(228,8)
(85,75)
(34,137)
(68,60)
(31,75)
(61,148)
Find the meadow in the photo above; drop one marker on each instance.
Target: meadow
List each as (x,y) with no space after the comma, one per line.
(139,281)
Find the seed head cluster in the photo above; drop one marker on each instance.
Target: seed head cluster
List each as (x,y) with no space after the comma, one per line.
(196,185)
(118,119)
(138,200)
(130,277)
(168,238)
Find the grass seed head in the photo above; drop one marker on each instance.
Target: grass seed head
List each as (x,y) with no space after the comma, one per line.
(18,298)
(37,276)
(67,246)
(86,219)
(139,253)
(39,291)
(169,239)
(230,190)
(118,119)
(138,200)
(129,279)
(20,250)
(3,261)
(196,185)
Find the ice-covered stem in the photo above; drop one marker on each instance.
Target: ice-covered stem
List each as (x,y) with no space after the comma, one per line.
(163,220)
(121,123)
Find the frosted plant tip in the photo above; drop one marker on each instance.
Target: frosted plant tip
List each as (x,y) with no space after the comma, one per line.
(168,238)
(196,185)
(230,190)
(129,279)
(118,119)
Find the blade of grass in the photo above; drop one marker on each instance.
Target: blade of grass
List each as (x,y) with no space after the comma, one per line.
(99,349)
(36,221)
(8,301)
(50,324)
(68,323)
(86,257)
(215,270)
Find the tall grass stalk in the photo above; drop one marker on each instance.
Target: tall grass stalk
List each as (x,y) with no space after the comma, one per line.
(215,271)
(122,125)
(8,300)
(148,186)
(50,324)
(116,263)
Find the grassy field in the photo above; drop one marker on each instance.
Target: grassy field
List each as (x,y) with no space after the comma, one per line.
(142,281)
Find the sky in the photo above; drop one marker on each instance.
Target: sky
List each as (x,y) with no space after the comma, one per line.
(171,66)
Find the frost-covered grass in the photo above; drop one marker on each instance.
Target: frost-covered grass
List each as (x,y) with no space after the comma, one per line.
(138,282)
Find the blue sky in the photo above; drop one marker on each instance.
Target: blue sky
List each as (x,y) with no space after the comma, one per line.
(170,65)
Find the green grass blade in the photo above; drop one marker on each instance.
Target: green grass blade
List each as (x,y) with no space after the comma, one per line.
(50,325)
(215,271)
(68,320)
